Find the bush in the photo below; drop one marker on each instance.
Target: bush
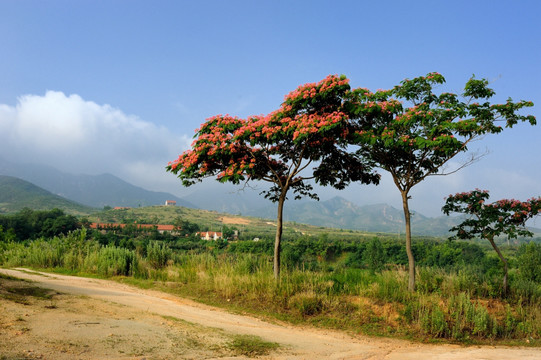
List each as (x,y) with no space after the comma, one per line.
(529,262)
(374,256)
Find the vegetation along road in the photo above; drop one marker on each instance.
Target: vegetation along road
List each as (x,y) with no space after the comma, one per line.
(81,318)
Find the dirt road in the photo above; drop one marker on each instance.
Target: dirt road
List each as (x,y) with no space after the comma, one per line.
(99,319)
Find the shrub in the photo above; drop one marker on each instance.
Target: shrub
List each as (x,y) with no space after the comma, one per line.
(374,256)
(529,262)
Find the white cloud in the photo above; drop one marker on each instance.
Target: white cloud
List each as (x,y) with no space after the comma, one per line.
(80,136)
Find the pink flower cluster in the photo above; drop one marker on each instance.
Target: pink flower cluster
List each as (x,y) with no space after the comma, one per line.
(505,211)
(310,90)
(232,147)
(432,75)
(305,124)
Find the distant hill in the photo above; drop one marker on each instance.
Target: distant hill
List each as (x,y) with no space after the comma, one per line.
(336,212)
(91,190)
(16,194)
(340,213)
(227,198)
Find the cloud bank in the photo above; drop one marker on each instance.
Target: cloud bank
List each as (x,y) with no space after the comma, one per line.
(79,136)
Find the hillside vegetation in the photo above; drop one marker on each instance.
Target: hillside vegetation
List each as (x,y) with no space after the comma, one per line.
(249,227)
(91,190)
(17,194)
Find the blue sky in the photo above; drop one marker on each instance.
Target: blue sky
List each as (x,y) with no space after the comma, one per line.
(119,86)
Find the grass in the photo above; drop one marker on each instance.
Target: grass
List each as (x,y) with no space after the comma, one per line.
(250,345)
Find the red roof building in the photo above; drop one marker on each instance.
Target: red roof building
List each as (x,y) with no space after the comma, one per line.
(112,226)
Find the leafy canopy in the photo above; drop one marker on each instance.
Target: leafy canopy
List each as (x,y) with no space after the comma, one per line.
(412,132)
(489,220)
(310,127)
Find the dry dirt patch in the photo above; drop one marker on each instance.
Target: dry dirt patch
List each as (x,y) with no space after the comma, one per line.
(64,326)
(235,220)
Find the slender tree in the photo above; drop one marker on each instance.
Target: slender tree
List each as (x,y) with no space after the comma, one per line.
(412,133)
(490,220)
(310,129)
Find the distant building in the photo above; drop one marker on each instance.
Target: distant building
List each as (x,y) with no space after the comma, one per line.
(121,208)
(104,227)
(210,235)
(170,203)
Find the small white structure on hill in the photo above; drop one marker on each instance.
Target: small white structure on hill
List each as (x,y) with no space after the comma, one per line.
(210,235)
(170,203)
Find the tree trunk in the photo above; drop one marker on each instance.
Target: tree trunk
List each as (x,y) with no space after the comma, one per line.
(505,269)
(411,259)
(278,237)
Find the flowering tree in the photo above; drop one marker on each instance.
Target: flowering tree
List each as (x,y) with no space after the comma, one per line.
(309,129)
(502,217)
(412,133)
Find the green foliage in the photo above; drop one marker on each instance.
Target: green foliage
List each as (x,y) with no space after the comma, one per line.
(374,255)
(158,254)
(488,220)
(309,126)
(113,261)
(529,262)
(412,132)
(31,224)
(252,346)
(309,129)
(390,286)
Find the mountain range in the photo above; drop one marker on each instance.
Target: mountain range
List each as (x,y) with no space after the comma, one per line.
(92,190)
(97,191)
(340,213)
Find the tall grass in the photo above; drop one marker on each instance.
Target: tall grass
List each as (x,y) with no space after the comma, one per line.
(462,305)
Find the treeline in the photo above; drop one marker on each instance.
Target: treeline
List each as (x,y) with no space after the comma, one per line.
(29,224)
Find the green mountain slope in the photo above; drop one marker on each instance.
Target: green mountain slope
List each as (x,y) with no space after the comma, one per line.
(16,194)
(91,190)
